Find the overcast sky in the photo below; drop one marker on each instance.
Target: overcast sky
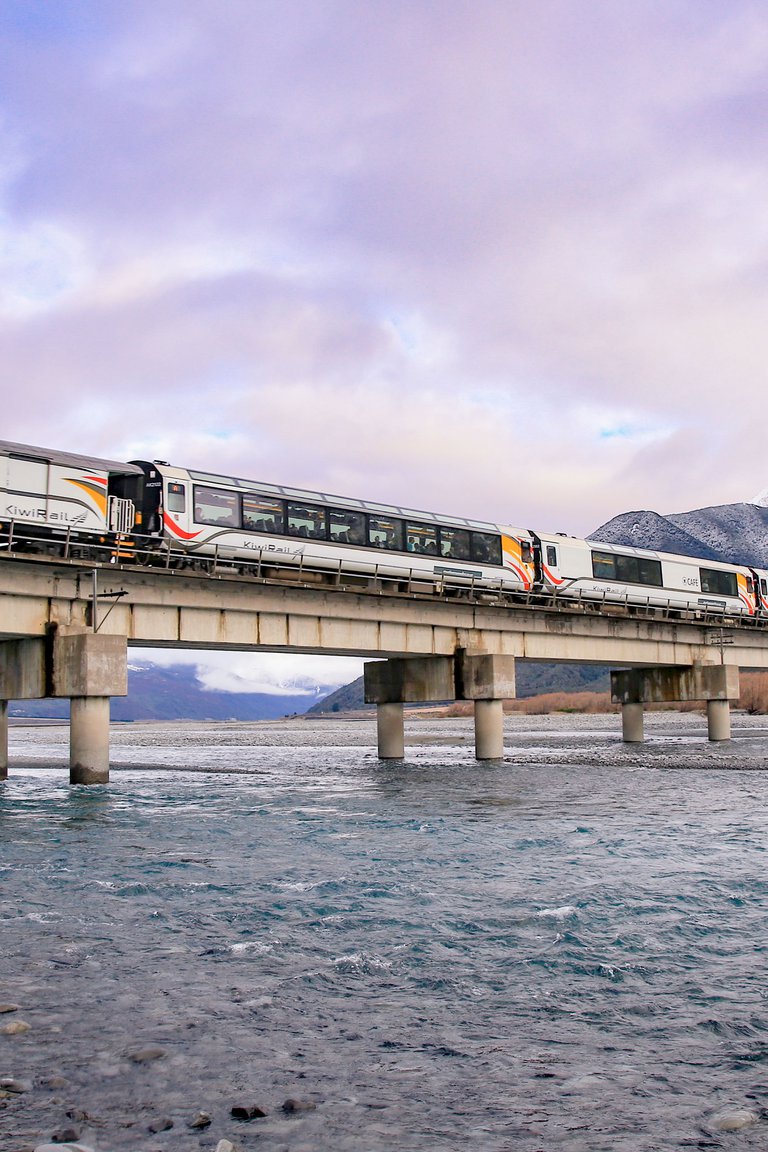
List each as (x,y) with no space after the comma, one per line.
(503,259)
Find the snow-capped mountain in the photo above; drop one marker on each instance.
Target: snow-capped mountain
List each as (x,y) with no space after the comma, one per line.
(175,692)
(737,533)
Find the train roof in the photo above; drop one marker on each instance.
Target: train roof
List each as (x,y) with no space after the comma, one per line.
(66,459)
(658,554)
(350,503)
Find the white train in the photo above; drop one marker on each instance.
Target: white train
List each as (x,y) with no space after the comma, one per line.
(60,503)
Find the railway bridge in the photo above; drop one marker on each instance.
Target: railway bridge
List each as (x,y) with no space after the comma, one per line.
(66,625)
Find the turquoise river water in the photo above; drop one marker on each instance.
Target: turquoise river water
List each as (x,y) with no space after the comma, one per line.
(567,949)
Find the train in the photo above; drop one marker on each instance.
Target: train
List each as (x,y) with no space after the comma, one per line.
(60,503)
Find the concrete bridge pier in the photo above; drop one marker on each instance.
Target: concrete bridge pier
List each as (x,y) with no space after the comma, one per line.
(717,684)
(391,683)
(89,667)
(22,677)
(85,666)
(485,679)
(719,719)
(3,739)
(489,729)
(89,740)
(632,717)
(390,731)
(488,680)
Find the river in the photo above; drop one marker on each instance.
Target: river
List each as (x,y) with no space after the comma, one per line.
(565,949)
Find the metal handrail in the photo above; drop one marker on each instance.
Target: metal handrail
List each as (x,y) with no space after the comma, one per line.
(164,555)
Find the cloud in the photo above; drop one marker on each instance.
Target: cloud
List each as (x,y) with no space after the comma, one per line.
(503,260)
(270,673)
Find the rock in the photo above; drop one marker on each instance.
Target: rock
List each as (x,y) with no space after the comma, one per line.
(78,1115)
(200,1120)
(8,1084)
(146,1055)
(227,1146)
(161,1124)
(734,1120)
(15,1028)
(66,1135)
(247,1112)
(8,1008)
(53,1082)
(292,1105)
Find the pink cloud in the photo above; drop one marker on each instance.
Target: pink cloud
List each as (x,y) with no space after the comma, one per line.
(420,252)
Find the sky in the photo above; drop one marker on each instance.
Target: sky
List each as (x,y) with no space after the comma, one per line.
(501,259)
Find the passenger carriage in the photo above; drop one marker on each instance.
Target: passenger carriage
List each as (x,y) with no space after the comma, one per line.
(59,502)
(50,497)
(228,517)
(594,571)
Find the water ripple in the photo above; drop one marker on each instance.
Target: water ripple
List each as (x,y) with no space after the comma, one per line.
(436,954)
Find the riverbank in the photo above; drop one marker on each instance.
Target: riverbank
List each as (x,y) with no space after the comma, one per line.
(675,740)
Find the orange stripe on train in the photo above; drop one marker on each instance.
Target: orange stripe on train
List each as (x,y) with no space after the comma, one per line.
(94,487)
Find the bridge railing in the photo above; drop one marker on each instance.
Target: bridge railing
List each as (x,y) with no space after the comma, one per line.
(25,542)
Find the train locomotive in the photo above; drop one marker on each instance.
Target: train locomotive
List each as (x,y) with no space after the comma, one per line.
(60,503)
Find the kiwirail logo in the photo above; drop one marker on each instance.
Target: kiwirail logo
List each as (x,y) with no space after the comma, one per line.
(259,546)
(20,512)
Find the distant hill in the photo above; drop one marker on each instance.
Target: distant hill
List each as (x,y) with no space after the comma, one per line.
(157,692)
(532,680)
(736,533)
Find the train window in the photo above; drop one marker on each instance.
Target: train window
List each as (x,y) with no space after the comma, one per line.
(421,538)
(263,514)
(716,581)
(638,570)
(215,506)
(384,532)
(306,520)
(603,565)
(486,549)
(346,527)
(176,500)
(764,587)
(551,555)
(454,543)
(649,571)
(627,569)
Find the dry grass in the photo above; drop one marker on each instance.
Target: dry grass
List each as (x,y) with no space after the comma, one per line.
(541,705)
(585,702)
(753,699)
(754,693)
(459,709)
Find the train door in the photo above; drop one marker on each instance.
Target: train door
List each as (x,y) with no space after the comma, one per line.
(760,591)
(175,512)
(519,557)
(124,502)
(149,500)
(550,561)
